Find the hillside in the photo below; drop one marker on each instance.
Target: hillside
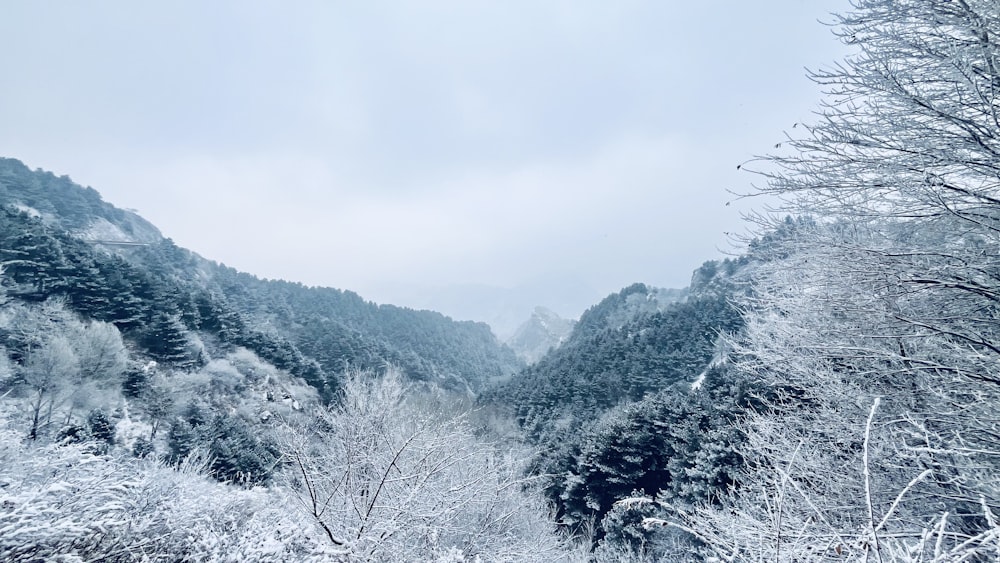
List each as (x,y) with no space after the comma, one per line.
(155,405)
(61,239)
(638,398)
(634,342)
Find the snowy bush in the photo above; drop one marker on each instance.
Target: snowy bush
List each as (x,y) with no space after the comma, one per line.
(62,503)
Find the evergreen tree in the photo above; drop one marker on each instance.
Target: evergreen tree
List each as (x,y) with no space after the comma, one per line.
(165,339)
(101,427)
(238,455)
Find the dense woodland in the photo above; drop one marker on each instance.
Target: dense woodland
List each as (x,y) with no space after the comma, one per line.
(830,394)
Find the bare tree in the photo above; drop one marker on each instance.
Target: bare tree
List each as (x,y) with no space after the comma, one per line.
(48,372)
(905,160)
(387,482)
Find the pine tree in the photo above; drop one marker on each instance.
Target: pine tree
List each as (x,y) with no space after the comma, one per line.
(165,339)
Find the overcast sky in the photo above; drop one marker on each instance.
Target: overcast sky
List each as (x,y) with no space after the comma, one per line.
(401,149)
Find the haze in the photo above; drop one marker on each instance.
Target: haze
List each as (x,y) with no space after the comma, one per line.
(476,158)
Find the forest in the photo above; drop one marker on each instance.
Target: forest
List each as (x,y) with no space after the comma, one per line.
(829,394)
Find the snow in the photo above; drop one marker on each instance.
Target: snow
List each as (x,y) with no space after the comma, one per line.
(31,211)
(102,229)
(699,381)
(632,502)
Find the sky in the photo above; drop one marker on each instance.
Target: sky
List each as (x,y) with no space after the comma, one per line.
(473,157)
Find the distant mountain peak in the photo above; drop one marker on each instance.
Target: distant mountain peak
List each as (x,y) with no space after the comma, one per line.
(543,331)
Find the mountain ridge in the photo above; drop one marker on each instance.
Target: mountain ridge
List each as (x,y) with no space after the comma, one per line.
(338,327)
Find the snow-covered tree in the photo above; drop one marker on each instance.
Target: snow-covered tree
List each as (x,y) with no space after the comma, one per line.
(48,373)
(876,324)
(387,482)
(63,367)
(101,352)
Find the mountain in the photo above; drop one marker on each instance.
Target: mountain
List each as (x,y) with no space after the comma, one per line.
(503,308)
(59,239)
(638,398)
(637,341)
(114,339)
(154,402)
(542,332)
(615,310)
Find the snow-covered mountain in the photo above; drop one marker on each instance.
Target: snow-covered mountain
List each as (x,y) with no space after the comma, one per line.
(539,334)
